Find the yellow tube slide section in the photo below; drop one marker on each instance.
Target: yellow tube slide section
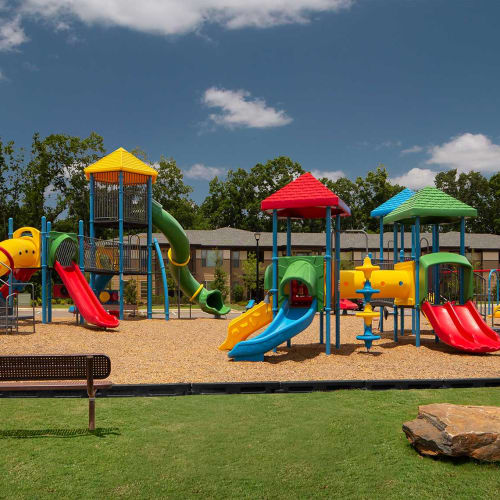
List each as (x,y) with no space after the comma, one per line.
(397,284)
(244,325)
(24,248)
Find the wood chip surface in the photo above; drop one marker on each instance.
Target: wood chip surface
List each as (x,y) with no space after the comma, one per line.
(157,351)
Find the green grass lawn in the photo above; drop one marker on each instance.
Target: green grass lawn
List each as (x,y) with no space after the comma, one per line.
(345,444)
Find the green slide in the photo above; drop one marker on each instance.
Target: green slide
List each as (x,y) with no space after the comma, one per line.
(210,301)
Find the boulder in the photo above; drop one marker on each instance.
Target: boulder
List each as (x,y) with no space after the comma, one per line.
(456,430)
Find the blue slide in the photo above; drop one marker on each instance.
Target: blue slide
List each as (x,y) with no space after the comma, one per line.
(289,322)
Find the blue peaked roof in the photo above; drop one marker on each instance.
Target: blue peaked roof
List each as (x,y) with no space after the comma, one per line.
(392,203)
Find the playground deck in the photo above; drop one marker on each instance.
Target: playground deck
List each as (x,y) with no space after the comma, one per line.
(154,351)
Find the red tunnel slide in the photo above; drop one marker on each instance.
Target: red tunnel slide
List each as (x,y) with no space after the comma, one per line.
(462,327)
(84,298)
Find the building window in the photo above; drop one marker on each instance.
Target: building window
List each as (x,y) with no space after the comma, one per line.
(144,289)
(211,258)
(235,259)
(303,254)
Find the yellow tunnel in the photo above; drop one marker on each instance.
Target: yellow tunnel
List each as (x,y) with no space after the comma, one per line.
(398,284)
(24,248)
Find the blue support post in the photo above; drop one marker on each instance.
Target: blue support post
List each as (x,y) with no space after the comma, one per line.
(417,281)
(328,279)
(163,277)
(462,252)
(413,329)
(288,254)
(44,269)
(381,256)
(288,237)
(274,291)
(120,236)
(11,275)
(49,276)
(321,327)
(150,248)
(337,282)
(81,253)
(92,227)
(395,260)
(402,259)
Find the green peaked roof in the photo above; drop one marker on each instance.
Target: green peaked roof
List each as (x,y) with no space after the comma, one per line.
(432,206)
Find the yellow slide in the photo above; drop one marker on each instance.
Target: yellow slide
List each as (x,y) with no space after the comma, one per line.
(250,321)
(496,311)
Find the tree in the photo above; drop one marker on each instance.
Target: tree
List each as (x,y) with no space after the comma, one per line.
(475,190)
(11,174)
(55,182)
(130,291)
(219,282)
(235,202)
(171,192)
(249,274)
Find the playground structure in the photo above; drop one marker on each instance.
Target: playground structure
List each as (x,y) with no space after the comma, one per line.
(120,199)
(301,286)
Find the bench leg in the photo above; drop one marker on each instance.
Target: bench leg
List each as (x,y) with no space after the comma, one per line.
(91,392)
(92,413)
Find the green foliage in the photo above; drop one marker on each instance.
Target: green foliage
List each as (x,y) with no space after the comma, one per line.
(170,190)
(237,292)
(235,202)
(249,275)
(130,291)
(219,282)
(475,190)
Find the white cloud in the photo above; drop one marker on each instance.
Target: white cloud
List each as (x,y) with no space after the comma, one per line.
(333,175)
(413,149)
(11,34)
(238,109)
(416,178)
(467,152)
(388,144)
(200,171)
(173,17)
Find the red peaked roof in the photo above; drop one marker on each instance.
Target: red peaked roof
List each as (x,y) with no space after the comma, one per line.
(305,198)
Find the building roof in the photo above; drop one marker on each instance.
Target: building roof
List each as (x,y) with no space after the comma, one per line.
(305,198)
(106,169)
(392,203)
(227,237)
(433,206)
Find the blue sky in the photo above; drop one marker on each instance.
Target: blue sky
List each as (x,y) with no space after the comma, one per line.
(338,85)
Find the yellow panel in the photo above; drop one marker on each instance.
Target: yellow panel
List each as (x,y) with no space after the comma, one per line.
(120,161)
(244,325)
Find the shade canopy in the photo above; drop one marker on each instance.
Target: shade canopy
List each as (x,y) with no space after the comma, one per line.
(392,203)
(107,168)
(433,206)
(305,198)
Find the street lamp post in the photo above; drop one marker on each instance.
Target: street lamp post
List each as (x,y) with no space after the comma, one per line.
(257,238)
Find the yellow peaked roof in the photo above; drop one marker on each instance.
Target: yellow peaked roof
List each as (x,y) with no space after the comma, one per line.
(121,161)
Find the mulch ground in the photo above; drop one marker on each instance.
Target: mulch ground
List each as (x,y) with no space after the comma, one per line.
(156,351)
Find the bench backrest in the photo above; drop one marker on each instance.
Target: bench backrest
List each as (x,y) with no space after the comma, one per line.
(53,367)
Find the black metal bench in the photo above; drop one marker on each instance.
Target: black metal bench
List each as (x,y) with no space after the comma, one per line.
(56,367)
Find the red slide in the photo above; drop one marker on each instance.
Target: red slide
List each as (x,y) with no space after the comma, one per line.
(84,298)
(462,327)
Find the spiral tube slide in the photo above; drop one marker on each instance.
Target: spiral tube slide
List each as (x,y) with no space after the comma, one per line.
(179,255)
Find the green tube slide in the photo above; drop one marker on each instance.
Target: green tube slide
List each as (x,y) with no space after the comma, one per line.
(210,301)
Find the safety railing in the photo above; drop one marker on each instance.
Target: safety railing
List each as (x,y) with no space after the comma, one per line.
(481,294)
(103,256)
(491,292)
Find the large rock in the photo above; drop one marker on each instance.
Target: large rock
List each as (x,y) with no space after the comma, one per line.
(456,431)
